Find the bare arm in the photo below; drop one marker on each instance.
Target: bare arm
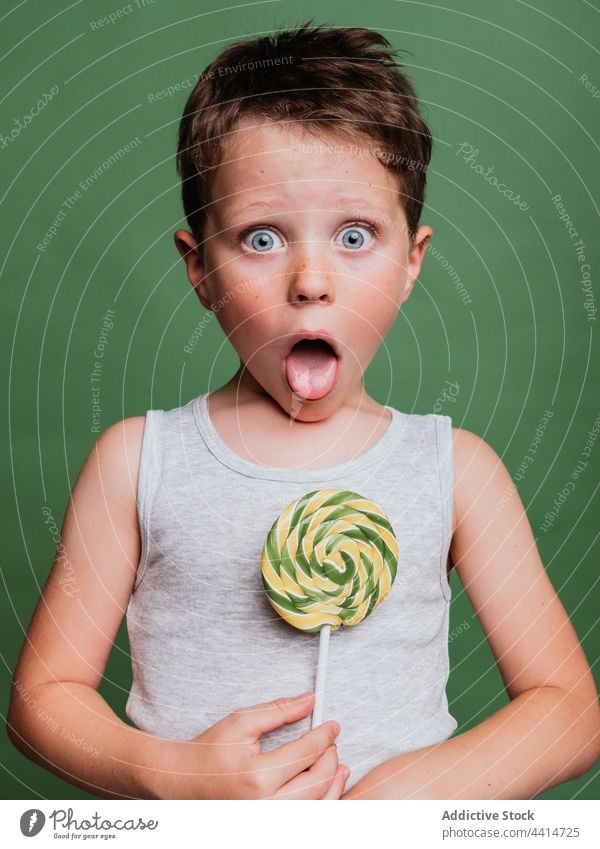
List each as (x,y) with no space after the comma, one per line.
(550,731)
(79,738)
(56,716)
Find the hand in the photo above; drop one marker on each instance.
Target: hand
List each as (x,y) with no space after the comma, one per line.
(226,762)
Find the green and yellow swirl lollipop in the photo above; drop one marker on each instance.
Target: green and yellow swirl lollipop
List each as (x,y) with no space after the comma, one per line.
(329,560)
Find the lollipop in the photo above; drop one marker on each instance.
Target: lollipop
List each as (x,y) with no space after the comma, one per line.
(329,560)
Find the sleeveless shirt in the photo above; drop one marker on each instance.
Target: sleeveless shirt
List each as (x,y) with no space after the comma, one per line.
(204,640)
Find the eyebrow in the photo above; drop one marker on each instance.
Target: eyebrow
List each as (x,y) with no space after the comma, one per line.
(258,204)
(359,204)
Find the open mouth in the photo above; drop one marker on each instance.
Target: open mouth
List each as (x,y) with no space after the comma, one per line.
(311,368)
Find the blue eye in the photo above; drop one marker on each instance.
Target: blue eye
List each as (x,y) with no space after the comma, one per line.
(353,237)
(262,240)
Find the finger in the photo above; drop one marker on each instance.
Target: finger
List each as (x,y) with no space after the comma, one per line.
(297,755)
(313,783)
(337,786)
(252,722)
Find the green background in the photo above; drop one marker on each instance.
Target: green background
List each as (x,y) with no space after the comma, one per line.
(504,78)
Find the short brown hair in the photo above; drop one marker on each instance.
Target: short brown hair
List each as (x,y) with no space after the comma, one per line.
(331,79)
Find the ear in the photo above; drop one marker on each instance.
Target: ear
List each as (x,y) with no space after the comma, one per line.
(417,250)
(191,252)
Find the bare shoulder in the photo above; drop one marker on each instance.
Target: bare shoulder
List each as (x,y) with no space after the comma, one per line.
(115,456)
(467,443)
(480,476)
(124,436)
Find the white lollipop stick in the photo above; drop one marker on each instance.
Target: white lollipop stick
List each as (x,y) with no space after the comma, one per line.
(317,716)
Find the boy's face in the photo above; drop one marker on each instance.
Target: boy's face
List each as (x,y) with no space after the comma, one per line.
(304,235)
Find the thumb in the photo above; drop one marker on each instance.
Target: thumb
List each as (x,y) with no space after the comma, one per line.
(257,720)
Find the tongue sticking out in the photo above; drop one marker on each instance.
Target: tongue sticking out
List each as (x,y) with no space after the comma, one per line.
(311,368)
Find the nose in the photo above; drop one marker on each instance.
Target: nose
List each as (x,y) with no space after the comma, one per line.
(311,278)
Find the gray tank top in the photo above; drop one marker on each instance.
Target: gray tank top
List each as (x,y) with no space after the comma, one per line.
(204,639)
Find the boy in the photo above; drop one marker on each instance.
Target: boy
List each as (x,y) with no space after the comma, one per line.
(297,159)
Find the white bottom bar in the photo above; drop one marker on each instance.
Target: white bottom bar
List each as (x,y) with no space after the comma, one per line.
(289,825)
